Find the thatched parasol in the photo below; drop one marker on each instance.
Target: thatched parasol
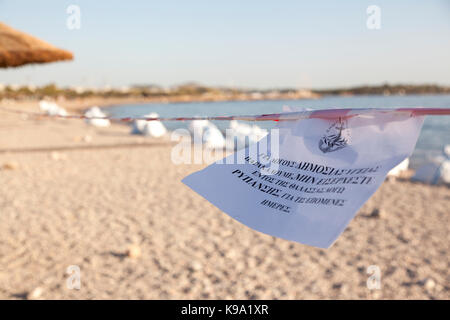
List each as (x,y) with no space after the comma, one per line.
(18,48)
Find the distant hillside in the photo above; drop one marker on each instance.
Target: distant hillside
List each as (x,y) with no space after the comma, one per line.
(195,92)
(387,89)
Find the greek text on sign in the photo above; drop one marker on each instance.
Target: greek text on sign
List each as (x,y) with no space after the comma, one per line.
(306,183)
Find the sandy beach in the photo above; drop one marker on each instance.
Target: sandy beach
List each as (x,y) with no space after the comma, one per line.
(113,204)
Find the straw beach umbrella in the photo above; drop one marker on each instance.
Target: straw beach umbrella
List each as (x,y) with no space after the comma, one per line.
(18,48)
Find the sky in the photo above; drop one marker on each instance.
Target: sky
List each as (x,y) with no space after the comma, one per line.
(253,44)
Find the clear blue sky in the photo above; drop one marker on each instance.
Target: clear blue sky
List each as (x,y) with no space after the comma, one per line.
(259,44)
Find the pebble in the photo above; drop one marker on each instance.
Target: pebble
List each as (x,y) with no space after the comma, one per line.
(378,213)
(376,294)
(227,233)
(134,251)
(58,156)
(35,294)
(231,254)
(10,166)
(429,284)
(197,266)
(411,273)
(337,285)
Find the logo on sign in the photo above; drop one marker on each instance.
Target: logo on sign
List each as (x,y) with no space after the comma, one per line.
(336,137)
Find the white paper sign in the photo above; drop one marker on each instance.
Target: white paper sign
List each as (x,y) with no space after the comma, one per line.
(308,187)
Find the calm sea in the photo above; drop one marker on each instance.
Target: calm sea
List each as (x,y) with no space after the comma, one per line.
(434,136)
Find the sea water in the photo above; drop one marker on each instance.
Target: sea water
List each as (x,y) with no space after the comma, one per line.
(434,136)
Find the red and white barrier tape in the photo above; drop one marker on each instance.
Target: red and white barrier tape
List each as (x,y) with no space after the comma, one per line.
(285,116)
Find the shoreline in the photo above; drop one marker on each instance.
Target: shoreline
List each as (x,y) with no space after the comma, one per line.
(78,105)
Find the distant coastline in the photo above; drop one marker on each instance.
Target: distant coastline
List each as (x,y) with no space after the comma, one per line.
(77,99)
(387,89)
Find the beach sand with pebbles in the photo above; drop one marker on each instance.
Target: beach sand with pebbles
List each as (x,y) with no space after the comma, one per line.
(113,204)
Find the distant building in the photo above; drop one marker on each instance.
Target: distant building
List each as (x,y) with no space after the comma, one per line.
(124,89)
(105,88)
(31,87)
(274,94)
(78,89)
(256,95)
(306,94)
